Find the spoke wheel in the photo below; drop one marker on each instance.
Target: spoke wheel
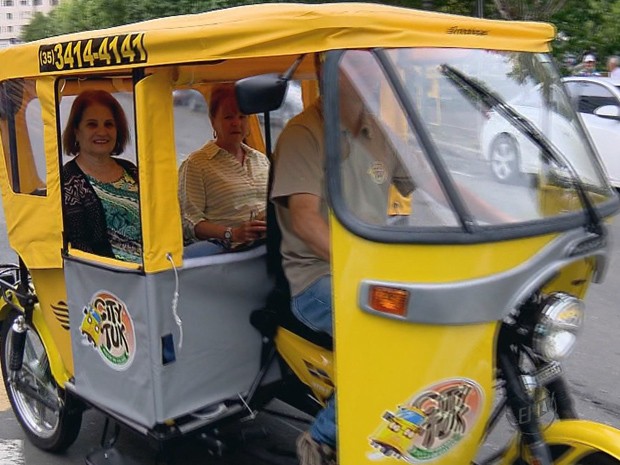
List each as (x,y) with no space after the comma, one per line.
(51,429)
(571,442)
(505,158)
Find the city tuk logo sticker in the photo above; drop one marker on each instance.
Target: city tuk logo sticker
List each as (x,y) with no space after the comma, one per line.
(108,328)
(430,423)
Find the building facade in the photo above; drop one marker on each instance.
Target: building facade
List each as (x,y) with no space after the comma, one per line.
(15,14)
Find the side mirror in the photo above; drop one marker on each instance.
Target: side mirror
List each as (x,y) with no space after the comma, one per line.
(260,94)
(608,112)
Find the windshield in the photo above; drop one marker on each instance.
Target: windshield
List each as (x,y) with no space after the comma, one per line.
(458,138)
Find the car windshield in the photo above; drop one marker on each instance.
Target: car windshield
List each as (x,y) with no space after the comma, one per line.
(457,138)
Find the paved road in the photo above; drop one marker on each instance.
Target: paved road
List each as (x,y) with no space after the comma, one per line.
(593,373)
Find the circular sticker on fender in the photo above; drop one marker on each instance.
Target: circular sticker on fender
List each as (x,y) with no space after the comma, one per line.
(108,328)
(430,423)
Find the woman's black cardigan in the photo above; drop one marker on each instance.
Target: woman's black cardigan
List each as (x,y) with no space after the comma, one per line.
(83,215)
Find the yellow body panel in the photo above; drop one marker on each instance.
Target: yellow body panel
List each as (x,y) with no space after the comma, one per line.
(426,263)
(392,365)
(108,261)
(574,278)
(312,364)
(385,364)
(48,320)
(161,233)
(52,321)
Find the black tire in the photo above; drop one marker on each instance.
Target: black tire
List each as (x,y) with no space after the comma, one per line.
(504,158)
(48,429)
(593,458)
(599,458)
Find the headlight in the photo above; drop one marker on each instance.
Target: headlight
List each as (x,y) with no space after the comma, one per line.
(559,322)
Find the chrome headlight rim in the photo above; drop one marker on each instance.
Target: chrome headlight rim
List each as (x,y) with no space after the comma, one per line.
(557,326)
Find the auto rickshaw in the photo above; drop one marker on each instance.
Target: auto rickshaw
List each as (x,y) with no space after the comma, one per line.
(453,301)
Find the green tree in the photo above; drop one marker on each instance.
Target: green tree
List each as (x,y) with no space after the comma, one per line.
(83,15)
(40,27)
(75,16)
(587,26)
(528,9)
(140,10)
(582,23)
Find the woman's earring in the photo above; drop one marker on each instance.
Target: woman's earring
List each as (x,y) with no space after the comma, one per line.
(214,134)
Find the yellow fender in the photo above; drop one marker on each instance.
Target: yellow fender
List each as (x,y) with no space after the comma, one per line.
(4,311)
(59,371)
(584,437)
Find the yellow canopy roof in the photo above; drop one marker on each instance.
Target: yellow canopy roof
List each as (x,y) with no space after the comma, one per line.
(287,29)
(252,39)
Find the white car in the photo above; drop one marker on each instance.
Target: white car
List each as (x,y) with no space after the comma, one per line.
(511,154)
(597,99)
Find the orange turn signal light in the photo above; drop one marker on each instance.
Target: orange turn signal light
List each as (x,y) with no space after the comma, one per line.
(389,300)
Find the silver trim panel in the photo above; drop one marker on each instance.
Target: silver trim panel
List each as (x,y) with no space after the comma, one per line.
(490,298)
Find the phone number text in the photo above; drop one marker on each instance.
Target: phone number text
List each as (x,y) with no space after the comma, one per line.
(117,50)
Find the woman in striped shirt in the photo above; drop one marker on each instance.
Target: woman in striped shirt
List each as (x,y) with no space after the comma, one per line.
(223,185)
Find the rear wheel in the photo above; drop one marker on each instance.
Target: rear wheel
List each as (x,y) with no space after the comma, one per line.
(49,416)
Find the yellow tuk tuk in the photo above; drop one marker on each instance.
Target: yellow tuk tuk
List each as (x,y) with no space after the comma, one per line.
(444,299)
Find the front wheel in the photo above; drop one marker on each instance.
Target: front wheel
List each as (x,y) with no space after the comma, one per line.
(565,455)
(598,458)
(574,442)
(46,413)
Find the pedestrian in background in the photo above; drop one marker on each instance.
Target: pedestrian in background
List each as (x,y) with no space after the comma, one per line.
(612,68)
(588,66)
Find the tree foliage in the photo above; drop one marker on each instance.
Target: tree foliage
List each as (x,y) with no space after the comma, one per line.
(528,9)
(82,15)
(582,24)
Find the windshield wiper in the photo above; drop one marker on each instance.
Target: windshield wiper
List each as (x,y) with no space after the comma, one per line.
(467,85)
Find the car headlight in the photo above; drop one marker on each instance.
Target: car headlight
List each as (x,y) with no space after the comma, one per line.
(557,327)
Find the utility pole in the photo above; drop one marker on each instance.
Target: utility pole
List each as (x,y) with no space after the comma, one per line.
(480,8)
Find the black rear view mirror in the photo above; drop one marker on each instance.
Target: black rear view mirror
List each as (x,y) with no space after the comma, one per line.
(265,92)
(261,93)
